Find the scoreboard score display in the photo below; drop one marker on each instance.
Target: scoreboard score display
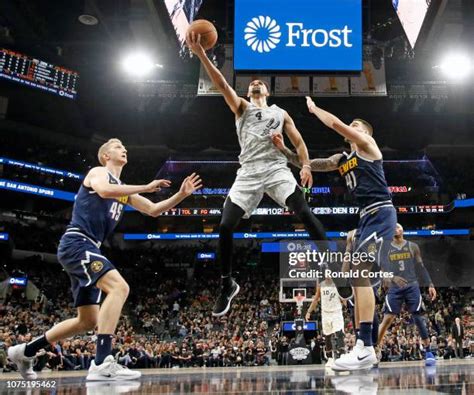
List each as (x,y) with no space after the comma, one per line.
(38,74)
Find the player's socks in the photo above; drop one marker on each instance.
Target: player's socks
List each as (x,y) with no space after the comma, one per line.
(35,345)
(104,347)
(366,333)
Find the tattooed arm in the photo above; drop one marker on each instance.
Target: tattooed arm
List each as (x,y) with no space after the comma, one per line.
(319,164)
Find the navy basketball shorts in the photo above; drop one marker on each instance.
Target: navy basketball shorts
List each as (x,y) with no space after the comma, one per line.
(375,232)
(410,294)
(85,265)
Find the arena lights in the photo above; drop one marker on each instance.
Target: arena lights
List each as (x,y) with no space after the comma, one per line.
(456,66)
(139,64)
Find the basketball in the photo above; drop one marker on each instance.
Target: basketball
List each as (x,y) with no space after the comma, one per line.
(207,31)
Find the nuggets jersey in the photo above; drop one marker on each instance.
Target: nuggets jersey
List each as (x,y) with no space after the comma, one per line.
(330,301)
(94,216)
(253,131)
(402,262)
(364,178)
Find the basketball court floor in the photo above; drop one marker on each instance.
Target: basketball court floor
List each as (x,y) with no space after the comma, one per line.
(448,377)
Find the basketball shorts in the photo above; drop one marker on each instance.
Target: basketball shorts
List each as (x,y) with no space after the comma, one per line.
(83,262)
(249,186)
(332,322)
(374,234)
(410,295)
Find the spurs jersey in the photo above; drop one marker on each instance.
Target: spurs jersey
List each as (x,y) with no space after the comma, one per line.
(254,128)
(94,216)
(365,179)
(330,301)
(402,261)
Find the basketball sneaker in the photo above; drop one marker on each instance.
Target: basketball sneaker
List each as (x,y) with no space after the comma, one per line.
(16,354)
(361,357)
(430,359)
(224,300)
(110,370)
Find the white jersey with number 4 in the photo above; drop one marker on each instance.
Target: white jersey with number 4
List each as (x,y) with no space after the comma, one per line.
(330,301)
(254,129)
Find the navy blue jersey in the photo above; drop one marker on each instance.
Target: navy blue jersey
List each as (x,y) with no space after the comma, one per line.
(402,262)
(365,179)
(95,216)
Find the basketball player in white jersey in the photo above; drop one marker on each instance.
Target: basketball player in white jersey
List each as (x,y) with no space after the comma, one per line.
(263,167)
(331,317)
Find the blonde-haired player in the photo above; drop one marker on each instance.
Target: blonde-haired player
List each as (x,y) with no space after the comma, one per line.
(363,172)
(97,210)
(331,317)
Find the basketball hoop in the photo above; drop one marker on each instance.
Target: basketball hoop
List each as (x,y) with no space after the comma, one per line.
(299,300)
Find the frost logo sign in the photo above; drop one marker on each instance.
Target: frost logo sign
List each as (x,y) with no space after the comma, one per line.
(306,35)
(262,34)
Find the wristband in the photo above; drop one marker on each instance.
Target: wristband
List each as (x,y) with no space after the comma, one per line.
(307,166)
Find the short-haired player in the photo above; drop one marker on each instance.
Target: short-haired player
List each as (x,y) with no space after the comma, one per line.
(263,168)
(363,172)
(332,318)
(404,261)
(97,210)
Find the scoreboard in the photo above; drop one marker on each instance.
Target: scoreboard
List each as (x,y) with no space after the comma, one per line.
(38,74)
(278,211)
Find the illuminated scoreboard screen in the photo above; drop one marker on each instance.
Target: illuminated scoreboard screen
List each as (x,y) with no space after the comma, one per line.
(35,73)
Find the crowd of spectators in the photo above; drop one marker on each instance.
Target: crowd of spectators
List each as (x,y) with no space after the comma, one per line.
(167,323)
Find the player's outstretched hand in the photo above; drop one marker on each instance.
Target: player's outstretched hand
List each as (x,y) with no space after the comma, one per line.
(190,184)
(310,104)
(307,316)
(156,185)
(193,41)
(164,183)
(277,140)
(306,177)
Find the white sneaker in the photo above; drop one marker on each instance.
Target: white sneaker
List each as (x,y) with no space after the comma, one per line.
(361,357)
(329,363)
(109,370)
(16,354)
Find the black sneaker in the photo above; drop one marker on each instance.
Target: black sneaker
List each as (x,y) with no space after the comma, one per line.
(224,300)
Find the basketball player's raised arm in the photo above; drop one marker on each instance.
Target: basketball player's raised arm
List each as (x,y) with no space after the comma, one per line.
(333,122)
(235,103)
(146,206)
(98,180)
(317,165)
